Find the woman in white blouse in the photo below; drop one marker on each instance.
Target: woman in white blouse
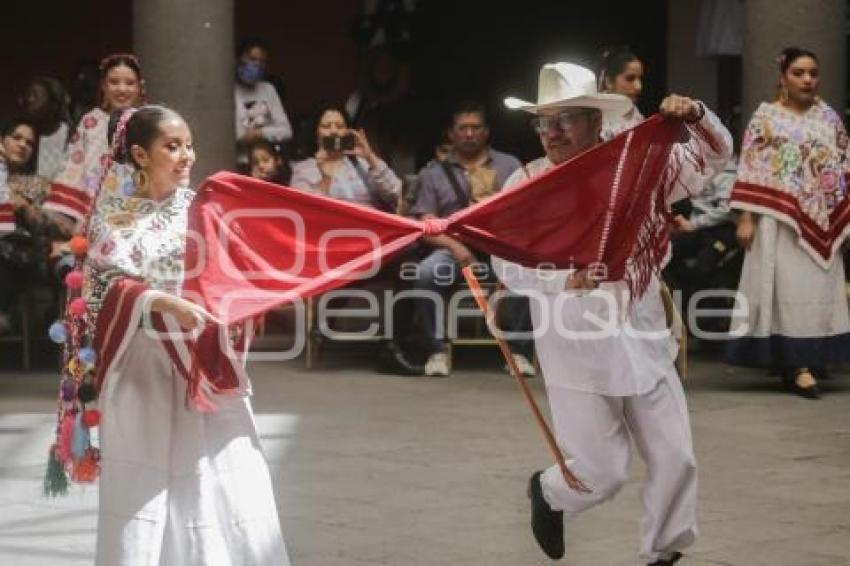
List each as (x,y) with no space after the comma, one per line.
(45,103)
(620,72)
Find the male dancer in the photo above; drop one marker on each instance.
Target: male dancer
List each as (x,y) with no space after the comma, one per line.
(608,388)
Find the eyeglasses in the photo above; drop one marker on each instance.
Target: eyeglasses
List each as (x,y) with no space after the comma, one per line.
(563,121)
(473,128)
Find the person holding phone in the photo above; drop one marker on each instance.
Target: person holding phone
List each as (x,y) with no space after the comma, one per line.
(345,167)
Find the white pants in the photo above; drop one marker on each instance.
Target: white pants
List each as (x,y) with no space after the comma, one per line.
(179,487)
(595,431)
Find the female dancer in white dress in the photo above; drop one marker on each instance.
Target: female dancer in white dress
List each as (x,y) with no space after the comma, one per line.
(182,482)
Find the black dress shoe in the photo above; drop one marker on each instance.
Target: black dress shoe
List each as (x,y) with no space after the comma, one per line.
(790,381)
(667,561)
(391,360)
(546,524)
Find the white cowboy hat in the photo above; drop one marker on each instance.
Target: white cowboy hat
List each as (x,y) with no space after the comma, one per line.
(565,85)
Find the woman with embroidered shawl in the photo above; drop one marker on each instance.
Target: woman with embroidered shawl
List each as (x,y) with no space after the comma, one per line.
(121,86)
(792,191)
(183,477)
(71,191)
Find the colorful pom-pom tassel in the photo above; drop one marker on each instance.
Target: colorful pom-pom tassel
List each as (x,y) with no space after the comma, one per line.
(66,437)
(80,441)
(87,468)
(91,418)
(88,355)
(57,332)
(75,367)
(86,393)
(79,246)
(69,390)
(55,480)
(77,307)
(74,279)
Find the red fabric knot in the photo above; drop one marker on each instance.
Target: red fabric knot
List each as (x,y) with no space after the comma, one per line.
(434,226)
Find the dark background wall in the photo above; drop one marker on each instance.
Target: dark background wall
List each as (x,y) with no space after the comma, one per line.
(309,41)
(50,38)
(489,51)
(473,48)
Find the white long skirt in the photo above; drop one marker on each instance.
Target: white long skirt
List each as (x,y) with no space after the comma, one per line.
(795,312)
(179,487)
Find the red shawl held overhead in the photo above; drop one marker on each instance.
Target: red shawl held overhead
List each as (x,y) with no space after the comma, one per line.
(253,245)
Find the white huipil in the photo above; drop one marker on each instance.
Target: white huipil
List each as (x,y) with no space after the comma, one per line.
(83,174)
(177,486)
(614,125)
(610,375)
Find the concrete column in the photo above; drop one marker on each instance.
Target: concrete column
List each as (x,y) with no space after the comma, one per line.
(688,74)
(187,53)
(771,25)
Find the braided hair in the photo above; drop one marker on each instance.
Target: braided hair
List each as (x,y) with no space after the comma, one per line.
(133,126)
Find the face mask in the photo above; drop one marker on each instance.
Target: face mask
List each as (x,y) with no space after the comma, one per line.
(249,73)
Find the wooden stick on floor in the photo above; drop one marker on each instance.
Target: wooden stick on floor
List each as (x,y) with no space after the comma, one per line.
(478,294)
(677,328)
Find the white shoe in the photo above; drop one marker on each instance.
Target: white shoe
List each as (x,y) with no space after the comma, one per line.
(525,367)
(437,365)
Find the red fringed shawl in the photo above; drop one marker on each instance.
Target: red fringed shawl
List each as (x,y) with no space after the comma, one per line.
(253,245)
(201,360)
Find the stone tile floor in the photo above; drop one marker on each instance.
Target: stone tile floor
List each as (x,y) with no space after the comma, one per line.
(373,469)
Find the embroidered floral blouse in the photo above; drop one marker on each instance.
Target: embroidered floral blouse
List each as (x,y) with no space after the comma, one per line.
(801,155)
(88,154)
(139,238)
(32,188)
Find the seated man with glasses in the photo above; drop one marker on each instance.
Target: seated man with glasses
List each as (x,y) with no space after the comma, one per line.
(471,172)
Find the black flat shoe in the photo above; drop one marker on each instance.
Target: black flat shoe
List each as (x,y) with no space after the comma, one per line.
(821,374)
(391,360)
(790,381)
(667,561)
(810,392)
(546,524)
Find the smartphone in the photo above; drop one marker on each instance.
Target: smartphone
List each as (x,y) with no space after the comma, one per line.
(338,143)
